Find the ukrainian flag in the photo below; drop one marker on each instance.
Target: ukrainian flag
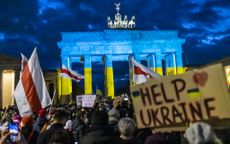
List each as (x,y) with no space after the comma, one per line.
(64,85)
(194,93)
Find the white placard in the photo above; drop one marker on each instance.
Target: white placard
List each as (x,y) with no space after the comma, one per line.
(79,100)
(88,100)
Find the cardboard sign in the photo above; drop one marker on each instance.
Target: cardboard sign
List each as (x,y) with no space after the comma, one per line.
(175,101)
(88,100)
(79,100)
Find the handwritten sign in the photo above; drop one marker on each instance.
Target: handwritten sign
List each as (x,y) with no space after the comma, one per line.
(194,96)
(88,100)
(79,100)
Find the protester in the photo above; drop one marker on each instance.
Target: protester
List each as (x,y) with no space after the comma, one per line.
(114,117)
(127,127)
(155,139)
(59,137)
(100,132)
(28,135)
(201,133)
(59,120)
(41,120)
(78,126)
(4,135)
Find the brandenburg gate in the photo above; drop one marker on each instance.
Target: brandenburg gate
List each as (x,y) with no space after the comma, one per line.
(161,49)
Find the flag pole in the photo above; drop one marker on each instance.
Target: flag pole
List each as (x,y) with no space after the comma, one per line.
(52,99)
(6,109)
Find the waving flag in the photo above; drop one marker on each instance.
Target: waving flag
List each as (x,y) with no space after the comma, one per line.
(67,72)
(141,73)
(31,93)
(24,61)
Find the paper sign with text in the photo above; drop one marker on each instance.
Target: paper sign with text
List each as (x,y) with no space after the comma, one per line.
(79,100)
(88,100)
(178,100)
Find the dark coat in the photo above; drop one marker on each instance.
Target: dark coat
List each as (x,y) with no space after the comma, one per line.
(100,134)
(78,129)
(44,136)
(131,141)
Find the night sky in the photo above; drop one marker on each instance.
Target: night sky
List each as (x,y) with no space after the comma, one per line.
(24,24)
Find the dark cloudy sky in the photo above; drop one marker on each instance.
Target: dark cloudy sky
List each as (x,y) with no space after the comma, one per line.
(24,24)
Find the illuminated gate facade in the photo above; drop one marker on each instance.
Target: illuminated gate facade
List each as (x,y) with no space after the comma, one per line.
(162,51)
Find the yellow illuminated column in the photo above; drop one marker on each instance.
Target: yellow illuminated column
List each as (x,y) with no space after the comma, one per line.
(109,81)
(159,69)
(88,74)
(179,63)
(171,68)
(152,62)
(8,77)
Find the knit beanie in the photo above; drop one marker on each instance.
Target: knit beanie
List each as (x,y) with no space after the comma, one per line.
(16,119)
(200,133)
(114,115)
(42,112)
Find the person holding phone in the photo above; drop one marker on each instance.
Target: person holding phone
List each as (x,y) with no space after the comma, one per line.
(4,136)
(28,135)
(13,129)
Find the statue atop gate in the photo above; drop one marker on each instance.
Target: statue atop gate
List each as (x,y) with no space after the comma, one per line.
(120,23)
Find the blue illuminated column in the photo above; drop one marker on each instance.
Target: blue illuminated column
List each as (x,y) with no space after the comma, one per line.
(179,62)
(151,62)
(88,74)
(64,83)
(64,60)
(109,78)
(159,57)
(137,57)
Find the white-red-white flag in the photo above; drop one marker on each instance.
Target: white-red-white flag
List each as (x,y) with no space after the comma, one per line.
(31,93)
(141,73)
(24,62)
(67,72)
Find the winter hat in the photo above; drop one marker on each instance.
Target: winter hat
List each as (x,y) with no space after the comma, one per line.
(27,121)
(16,119)
(199,133)
(114,115)
(42,112)
(99,117)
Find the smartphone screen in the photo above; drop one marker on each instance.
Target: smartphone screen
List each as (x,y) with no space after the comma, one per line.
(13,128)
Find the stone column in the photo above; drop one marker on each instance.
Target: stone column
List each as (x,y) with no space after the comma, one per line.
(137,57)
(179,62)
(170,63)
(64,83)
(159,68)
(152,62)
(109,78)
(88,74)
(64,60)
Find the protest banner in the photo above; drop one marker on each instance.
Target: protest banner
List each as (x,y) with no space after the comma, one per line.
(88,100)
(79,100)
(175,101)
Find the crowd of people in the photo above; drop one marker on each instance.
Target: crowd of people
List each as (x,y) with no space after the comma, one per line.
(105,123)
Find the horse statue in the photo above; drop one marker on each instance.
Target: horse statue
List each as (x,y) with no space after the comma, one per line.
(132,23)
(125,22)
(110,22)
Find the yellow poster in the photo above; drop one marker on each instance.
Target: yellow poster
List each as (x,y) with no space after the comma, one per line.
(175,101)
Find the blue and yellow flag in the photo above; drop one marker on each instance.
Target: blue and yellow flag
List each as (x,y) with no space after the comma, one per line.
(64,85)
